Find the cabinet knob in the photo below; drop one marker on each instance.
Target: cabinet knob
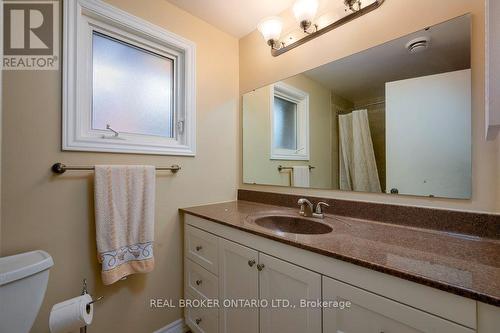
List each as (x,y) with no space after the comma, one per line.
(251,262)
(197,321)
(198,282)
(260,267)
(199,247)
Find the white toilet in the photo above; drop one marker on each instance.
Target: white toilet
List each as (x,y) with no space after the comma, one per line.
(23,281)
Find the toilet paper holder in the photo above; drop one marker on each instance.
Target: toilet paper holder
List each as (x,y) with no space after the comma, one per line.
(85,291)
(87,308)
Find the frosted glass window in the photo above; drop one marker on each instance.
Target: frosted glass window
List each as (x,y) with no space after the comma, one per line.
(132,89)
(285,124)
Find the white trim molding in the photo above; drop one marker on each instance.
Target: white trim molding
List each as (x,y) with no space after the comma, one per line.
(301,99)
(177,326)
(83,18)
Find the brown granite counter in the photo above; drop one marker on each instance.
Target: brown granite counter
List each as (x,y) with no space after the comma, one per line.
(462,264)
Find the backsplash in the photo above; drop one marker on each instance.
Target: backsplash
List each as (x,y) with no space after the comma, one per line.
(469,223)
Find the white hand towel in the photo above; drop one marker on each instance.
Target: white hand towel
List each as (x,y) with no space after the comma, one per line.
(124,213)
(301,176)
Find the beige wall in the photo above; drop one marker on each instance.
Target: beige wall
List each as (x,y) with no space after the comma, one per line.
(55,213)
(394,19)
(259,168)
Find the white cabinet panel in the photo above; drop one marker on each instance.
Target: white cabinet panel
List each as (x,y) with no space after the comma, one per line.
(282,280)
(201,247)
(371,313)
(238,280)
(201,320)
(200,282)
(488,318)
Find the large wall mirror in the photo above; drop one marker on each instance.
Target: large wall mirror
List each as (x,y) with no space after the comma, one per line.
(394,119)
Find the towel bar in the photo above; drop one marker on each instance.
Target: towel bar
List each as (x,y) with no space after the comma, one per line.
(60,168)
(281,168)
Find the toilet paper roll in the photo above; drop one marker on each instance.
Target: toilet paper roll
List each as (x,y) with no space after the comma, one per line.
(72,314)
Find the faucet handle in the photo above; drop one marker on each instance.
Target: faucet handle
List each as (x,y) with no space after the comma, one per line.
(319,205)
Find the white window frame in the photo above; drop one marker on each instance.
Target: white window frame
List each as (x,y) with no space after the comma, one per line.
(81,19)
(301,98)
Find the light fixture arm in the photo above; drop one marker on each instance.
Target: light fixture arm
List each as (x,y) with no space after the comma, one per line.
(276,51)
(351,3)
(275,44)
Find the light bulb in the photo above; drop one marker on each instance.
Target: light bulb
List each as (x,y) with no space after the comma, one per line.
(305,11)
(270,28)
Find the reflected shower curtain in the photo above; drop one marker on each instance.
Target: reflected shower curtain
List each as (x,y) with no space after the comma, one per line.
(358,168)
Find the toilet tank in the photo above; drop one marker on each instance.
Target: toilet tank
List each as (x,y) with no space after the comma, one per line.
(23,281)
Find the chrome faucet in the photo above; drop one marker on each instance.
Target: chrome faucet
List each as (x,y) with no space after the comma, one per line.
(307,208)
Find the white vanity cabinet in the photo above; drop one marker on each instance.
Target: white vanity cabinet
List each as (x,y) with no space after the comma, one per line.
(244,274)
(371,313)
(228,264)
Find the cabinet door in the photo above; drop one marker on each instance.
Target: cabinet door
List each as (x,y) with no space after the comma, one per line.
(371,313)
(238,280)
(280,280)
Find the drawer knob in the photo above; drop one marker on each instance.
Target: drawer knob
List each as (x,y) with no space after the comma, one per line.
(260,267)
(197,321)
(198,282)
(251,262)
(199,247)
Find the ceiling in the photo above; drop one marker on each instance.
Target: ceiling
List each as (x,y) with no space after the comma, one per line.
(235,17)
(240,17)
(362,76)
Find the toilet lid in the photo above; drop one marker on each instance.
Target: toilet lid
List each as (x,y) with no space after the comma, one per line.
(22,265)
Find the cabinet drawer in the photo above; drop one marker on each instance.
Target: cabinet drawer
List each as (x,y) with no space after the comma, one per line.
(199,281)
(201,247)
(201,320)
(373,313)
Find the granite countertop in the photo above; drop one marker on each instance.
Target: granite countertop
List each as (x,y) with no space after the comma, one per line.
(462,264)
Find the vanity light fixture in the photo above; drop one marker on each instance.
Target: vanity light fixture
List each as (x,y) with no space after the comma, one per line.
(270,28)
(305,12)
(353,5)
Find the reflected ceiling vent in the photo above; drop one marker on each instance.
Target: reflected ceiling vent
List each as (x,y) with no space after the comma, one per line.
(418,44)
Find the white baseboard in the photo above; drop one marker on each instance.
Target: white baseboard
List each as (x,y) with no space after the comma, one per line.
(177,326)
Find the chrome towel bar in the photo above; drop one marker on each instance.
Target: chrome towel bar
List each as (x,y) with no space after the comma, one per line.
(281,168)
(60,168)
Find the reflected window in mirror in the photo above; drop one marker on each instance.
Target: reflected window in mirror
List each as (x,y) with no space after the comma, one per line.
(289,123)
(285,124)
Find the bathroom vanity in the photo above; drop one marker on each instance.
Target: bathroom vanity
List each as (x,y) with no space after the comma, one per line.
(396,278)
